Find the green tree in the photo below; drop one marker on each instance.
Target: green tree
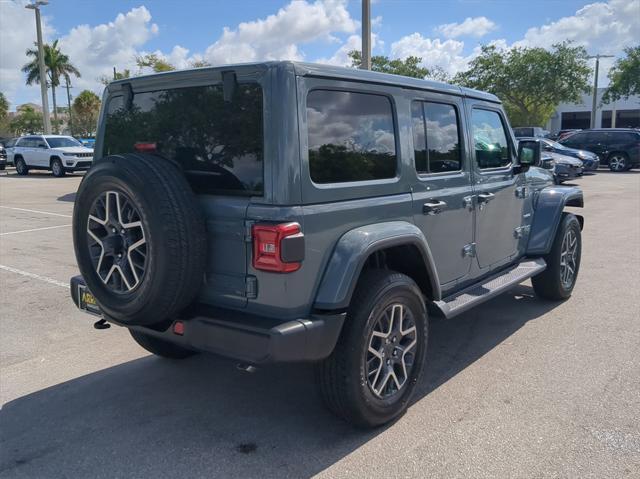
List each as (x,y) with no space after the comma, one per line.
(57,66)
(153,61)
(86,108)
(4,114)
(624,77)
(530,81)
(26,121)
(105,80)
(409,67)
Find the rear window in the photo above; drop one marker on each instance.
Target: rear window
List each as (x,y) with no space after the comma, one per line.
(351,136)
(218,144)
(436,140)
(625,136)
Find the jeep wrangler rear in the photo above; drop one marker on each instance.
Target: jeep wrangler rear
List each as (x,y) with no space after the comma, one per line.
(294,212)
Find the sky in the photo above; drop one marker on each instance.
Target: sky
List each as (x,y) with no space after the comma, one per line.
(98,35)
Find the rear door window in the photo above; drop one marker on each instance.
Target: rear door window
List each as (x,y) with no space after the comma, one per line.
(218,144)
(490,139)
(351,136)
(436,138)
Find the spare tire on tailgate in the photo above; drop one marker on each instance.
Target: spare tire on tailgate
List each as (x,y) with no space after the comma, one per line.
(139,237)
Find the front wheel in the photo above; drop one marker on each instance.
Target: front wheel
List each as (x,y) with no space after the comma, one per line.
(563,262)
(370,377)
(57,169)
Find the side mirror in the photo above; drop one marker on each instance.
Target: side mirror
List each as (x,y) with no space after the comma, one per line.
(529,154)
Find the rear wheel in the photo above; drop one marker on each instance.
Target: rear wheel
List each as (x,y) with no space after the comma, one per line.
(370,377)
(563,262)
(160,347)
(56,168)
(618,162)
(21,167)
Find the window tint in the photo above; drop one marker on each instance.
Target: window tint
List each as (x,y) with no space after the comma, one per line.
(490,139)
(218,144)
(624,136)
(574,139)
(435,137)
(57,142)
(351,137)
(28,142)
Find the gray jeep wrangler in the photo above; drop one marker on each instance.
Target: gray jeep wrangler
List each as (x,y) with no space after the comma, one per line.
(294,212)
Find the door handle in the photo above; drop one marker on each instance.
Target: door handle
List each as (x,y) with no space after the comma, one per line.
(485,197)
(433,207)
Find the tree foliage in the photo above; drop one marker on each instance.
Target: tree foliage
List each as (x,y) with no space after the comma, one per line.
(153,61)
(86,108)
(4,114)
(624,77)
(26,121)
(530,81)
(57,66)
(409,67)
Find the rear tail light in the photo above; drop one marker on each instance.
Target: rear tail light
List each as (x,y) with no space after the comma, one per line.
(278,248)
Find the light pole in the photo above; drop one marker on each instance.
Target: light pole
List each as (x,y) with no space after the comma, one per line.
(365,64)
(43,75)
(69,104)
(595,87)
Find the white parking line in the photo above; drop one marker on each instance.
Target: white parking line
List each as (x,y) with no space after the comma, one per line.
(33,229)
(34,276)
(36,211)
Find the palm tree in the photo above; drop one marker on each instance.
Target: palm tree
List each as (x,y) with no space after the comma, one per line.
(57,65)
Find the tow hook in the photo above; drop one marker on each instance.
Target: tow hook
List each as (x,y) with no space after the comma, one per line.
(247,368)
(101,324)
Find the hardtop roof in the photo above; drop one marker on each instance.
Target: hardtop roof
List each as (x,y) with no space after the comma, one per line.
(331,71)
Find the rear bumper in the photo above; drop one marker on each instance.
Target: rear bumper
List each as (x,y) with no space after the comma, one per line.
(247,337)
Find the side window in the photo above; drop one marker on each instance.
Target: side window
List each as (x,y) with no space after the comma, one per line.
(490,139)
(574,139)
(436,137)
(351,136)
(27,143)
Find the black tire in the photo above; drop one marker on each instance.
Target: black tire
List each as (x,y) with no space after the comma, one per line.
(160,347)
(342,377)
(549,284)
(173,227)
(21,166)
(618,162)
(57,168)
(2,167)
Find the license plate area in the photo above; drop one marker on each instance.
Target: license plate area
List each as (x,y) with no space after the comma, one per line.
(87,301)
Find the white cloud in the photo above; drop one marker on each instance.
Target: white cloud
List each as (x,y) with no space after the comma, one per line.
(473,27)
(354,42)
(448,54)
(96,50)
(278,36)
(600,27)
(18,30)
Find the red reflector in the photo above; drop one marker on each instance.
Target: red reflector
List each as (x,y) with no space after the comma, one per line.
(145,147)
(267,247)
(178,328)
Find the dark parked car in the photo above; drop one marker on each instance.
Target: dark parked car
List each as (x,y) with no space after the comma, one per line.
(312,213)
(617,147)
(3,157)
(528,131)
(590,161)
(566,167)
(565,133)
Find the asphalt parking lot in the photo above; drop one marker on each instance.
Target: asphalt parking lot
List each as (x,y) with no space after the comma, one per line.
(518,387)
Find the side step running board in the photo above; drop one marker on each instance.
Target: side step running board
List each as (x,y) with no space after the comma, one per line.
(490,288)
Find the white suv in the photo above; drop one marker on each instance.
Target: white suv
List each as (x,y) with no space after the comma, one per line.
(57,153)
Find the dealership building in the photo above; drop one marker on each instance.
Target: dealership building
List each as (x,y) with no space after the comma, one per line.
(578,115)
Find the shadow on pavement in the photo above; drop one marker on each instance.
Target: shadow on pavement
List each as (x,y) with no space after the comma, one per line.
(202,417)
(71,197)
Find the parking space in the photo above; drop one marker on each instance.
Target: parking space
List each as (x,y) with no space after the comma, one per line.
(518,387)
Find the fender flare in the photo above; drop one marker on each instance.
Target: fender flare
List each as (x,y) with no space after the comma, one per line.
(549,205)
(352,250)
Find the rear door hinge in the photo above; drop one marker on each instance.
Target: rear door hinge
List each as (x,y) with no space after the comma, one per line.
(469,250)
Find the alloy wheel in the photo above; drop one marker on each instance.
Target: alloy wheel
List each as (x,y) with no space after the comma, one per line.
(391,351)
(117,242)
(568,258)
(617,163)
(56,168)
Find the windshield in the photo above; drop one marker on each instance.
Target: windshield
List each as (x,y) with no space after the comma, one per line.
(62,142)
